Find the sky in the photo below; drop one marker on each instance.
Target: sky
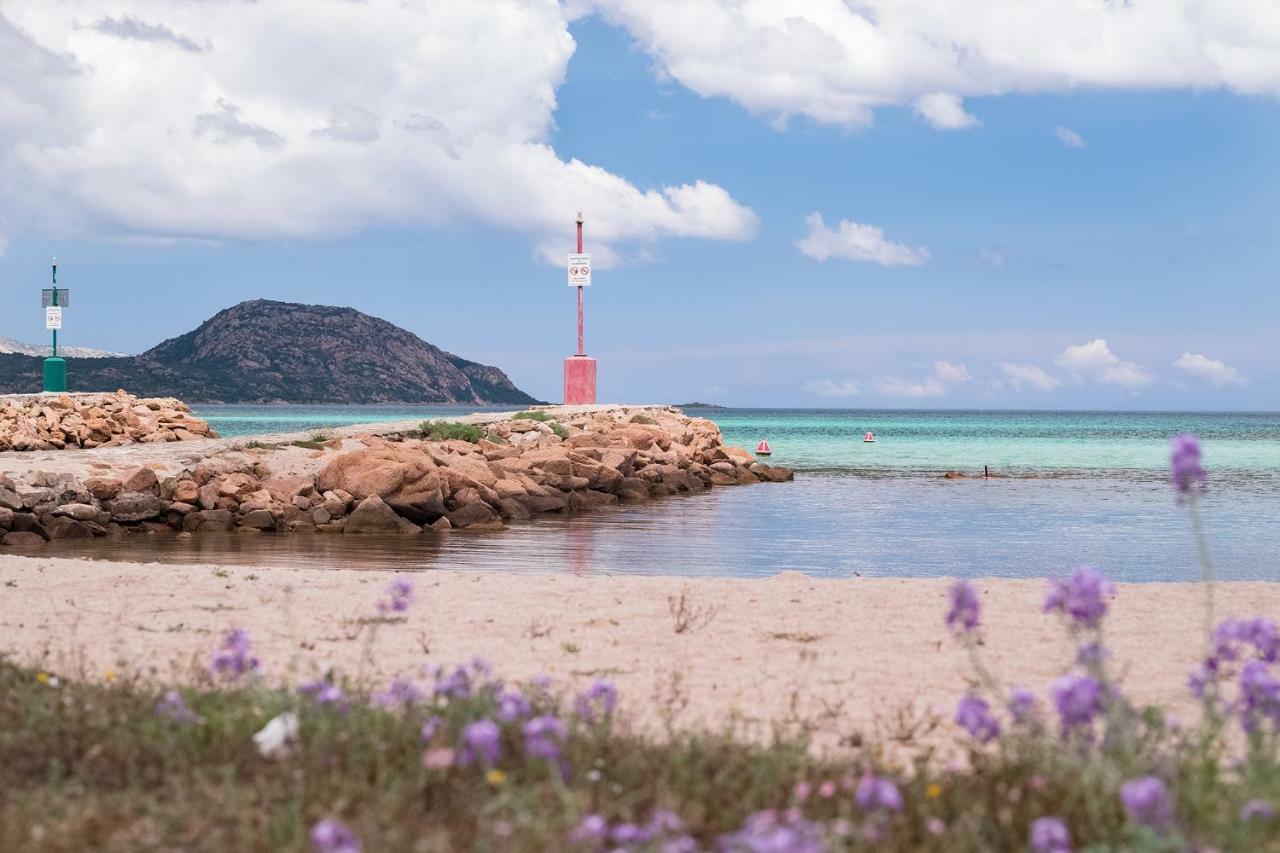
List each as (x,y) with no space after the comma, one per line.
(1026,204)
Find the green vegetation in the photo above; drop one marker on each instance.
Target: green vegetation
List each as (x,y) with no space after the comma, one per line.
(314,443)
(542,417)
(445,430)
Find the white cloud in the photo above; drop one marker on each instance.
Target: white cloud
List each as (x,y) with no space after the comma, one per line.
(837,62)
(830,388)
(1028,376)
(996,257)
(935,385)
(1095,361)
(1209,369)
(1069,137)
(945,111)
(177,119)
(856,242)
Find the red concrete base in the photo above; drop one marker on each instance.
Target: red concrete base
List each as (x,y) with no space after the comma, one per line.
(579,380)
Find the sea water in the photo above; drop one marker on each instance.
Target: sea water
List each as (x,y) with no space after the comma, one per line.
(1066,488)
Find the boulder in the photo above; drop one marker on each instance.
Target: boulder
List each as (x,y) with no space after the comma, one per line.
(135,506)
(405,478)
(208,520)
(6,518)
(22,539)
(186,491)
(589,499)
(142,480)
(284,489)
(259,519)
(478,514)
(373,515)
(78,511)
(512,510)
(69,528)
(9,499)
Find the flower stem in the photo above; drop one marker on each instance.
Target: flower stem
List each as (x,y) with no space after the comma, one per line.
(1206,569)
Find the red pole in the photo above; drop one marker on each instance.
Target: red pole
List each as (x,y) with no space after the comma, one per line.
(580,349)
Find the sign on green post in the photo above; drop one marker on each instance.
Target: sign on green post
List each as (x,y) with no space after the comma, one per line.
(54,300)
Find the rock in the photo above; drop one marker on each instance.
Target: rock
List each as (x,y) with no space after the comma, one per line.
(285,489)
(181,507)
(69,528)
(589,499)
(208,496)
(135,506)
(259,519)
(208,520)
(36,497)
(186,491)
(141,480)
(9,499)
(321,516)
(236,484)
(512,510)
(405,478)
(441,524)
(372,515)
(473,515)
(22,539)
(633,489)
(103,488)
(80,512)
(6,518)
(26,522)
(301,502)
(773,473)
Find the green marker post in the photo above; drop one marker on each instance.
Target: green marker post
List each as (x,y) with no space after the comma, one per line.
(55,369)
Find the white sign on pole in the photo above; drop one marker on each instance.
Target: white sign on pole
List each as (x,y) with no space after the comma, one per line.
(53,317)
(580,270)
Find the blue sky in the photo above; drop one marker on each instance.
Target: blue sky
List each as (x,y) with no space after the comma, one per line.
(1135,269)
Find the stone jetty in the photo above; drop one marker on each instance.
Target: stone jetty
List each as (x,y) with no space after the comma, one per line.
(58,421)
(378,479)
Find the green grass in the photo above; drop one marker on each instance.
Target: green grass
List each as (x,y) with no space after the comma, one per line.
(445,430)
(314,443)
(542,417)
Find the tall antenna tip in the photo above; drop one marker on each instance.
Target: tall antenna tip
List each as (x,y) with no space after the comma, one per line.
(579,217)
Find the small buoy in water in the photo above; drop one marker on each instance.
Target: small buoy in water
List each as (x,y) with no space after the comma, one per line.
(870,436)
(763,448)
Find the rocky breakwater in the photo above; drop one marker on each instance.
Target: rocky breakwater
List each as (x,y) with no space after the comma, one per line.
(58,421)
(397,483)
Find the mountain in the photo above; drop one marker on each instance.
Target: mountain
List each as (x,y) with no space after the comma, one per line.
(269,352)
(9,345)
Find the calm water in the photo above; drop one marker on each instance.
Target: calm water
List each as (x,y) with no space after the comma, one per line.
(1075,487)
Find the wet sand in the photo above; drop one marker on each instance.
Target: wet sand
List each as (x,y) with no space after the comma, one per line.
(856,658)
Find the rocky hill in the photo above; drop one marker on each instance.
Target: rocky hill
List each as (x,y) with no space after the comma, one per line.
(266,352)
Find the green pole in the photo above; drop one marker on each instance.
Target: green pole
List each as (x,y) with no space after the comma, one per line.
(55,304)
(55,369)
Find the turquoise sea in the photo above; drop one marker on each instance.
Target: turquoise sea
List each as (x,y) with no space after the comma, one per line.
(1067,488)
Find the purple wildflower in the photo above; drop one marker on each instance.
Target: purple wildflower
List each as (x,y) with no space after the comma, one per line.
(325,693)
(1050,835)
(1147,802)
(1259,810)
(597,702)
(398,694)
(1202,676)
(767,832)
(1184,463)
(543,737)
(1259,694)
(875,793)
(331,836)
(1232,635)
(627,834)
(1083,597)
(1023,706)
(593,828)
(397,597)
(513,705)
(1078,699)
(973,714)
(430,727)
(966,608)
(481,740)
(1091,653)
(233,659)
(175,708)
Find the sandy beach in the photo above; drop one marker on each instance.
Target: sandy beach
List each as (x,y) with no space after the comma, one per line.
(854,659)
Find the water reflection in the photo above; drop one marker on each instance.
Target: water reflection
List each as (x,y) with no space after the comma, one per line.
(826,525)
